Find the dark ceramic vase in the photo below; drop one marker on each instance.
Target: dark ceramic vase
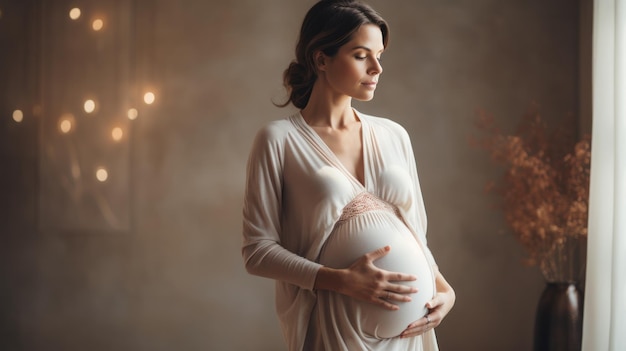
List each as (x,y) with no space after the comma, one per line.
(558,324)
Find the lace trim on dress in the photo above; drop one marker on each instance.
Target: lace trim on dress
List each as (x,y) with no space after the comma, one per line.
(365,202)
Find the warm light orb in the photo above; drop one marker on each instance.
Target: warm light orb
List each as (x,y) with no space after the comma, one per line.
(97,24)
(149,98)
(90,106)
(75,13)
(132,113)
(102,174)
(66,124)
(18,116)
(117,133)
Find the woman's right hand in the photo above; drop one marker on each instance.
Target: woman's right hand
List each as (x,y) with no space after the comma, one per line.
(364,281)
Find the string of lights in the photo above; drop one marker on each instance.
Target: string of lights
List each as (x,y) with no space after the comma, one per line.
(93,46)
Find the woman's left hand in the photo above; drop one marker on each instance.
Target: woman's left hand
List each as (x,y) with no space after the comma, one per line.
(438,308)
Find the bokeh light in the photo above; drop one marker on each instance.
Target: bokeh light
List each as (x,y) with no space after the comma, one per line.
(97,24)
(149,98)
(132,113)
(75,13)
(18,116)
(90,106)
(117,133)
(66,123)
(102,174)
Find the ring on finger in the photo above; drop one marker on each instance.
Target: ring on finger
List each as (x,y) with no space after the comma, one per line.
(427,320)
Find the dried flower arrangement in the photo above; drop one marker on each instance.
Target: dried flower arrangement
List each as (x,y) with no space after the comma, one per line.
(544,190)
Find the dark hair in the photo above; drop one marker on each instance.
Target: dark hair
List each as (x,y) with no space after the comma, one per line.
(327,26)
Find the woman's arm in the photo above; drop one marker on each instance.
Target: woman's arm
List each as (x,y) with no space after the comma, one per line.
(262,250)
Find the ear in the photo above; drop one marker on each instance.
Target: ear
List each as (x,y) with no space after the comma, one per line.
(320,60)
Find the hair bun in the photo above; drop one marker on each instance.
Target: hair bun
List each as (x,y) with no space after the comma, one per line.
(299,81)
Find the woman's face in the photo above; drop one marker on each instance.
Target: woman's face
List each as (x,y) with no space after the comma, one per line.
(355,69)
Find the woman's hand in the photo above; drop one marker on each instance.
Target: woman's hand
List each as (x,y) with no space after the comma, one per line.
(364,281)
(438,308)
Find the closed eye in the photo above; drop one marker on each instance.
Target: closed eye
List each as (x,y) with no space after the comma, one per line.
(361,58)
(361,55)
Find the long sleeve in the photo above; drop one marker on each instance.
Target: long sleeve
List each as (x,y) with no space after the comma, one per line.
(262,250)
(418,209)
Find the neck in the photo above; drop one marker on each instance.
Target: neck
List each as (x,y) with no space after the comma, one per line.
(325,109)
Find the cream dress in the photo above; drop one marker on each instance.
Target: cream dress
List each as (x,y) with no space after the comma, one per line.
(303,209)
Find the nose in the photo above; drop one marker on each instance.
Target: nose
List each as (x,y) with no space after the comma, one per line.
(375,67)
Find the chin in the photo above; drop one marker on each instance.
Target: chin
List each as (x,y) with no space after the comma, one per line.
(364,98)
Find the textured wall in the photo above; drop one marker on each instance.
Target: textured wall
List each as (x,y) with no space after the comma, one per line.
(177,280)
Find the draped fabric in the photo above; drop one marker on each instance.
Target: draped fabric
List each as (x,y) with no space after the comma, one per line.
(604,323)
(296,190)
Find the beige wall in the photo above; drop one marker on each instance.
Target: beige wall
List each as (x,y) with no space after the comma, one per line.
(176,281)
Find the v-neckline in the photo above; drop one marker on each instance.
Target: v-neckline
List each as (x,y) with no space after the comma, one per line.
(332,158)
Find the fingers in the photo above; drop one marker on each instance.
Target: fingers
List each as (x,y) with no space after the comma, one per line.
(378,253)
(398,290)
(400,297)
(392,293)
(386,304)
(389,298)
(389,276)
(422,325)
(438,308)
(388,292)
(386,298)
(399,277)
(436,301)
(370,283)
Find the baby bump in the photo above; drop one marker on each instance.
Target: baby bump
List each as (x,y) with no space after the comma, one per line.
(366,232)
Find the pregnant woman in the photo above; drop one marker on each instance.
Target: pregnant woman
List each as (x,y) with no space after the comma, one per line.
(333,209)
